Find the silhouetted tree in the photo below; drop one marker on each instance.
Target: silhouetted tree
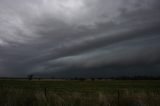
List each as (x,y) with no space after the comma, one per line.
(53,77)
(30,77)
(93,79)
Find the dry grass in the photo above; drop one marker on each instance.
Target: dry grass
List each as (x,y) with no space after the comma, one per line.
(21,95)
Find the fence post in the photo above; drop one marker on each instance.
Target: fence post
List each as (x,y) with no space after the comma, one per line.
(118,97)
(45,92)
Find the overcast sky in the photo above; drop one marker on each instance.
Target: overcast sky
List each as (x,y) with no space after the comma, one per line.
(79,37)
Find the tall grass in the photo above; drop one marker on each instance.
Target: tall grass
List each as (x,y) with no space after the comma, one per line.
(17,96)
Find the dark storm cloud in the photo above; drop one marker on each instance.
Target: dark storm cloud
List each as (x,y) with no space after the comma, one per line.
(48,36)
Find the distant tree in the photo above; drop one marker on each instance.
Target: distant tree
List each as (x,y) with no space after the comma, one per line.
(82,79)
(93,79)
(76,78)
(53,77)
(100,78)
(30,77)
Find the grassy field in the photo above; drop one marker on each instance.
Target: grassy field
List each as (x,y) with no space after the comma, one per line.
(79,93)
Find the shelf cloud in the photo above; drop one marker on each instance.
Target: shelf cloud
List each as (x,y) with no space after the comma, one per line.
(79,37)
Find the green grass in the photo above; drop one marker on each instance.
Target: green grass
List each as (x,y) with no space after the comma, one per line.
(79,93)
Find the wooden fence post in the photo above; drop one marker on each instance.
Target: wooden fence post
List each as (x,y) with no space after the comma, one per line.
(118,97)
(45,92)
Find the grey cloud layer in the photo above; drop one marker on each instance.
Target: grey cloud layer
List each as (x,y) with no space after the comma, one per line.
(47,36)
